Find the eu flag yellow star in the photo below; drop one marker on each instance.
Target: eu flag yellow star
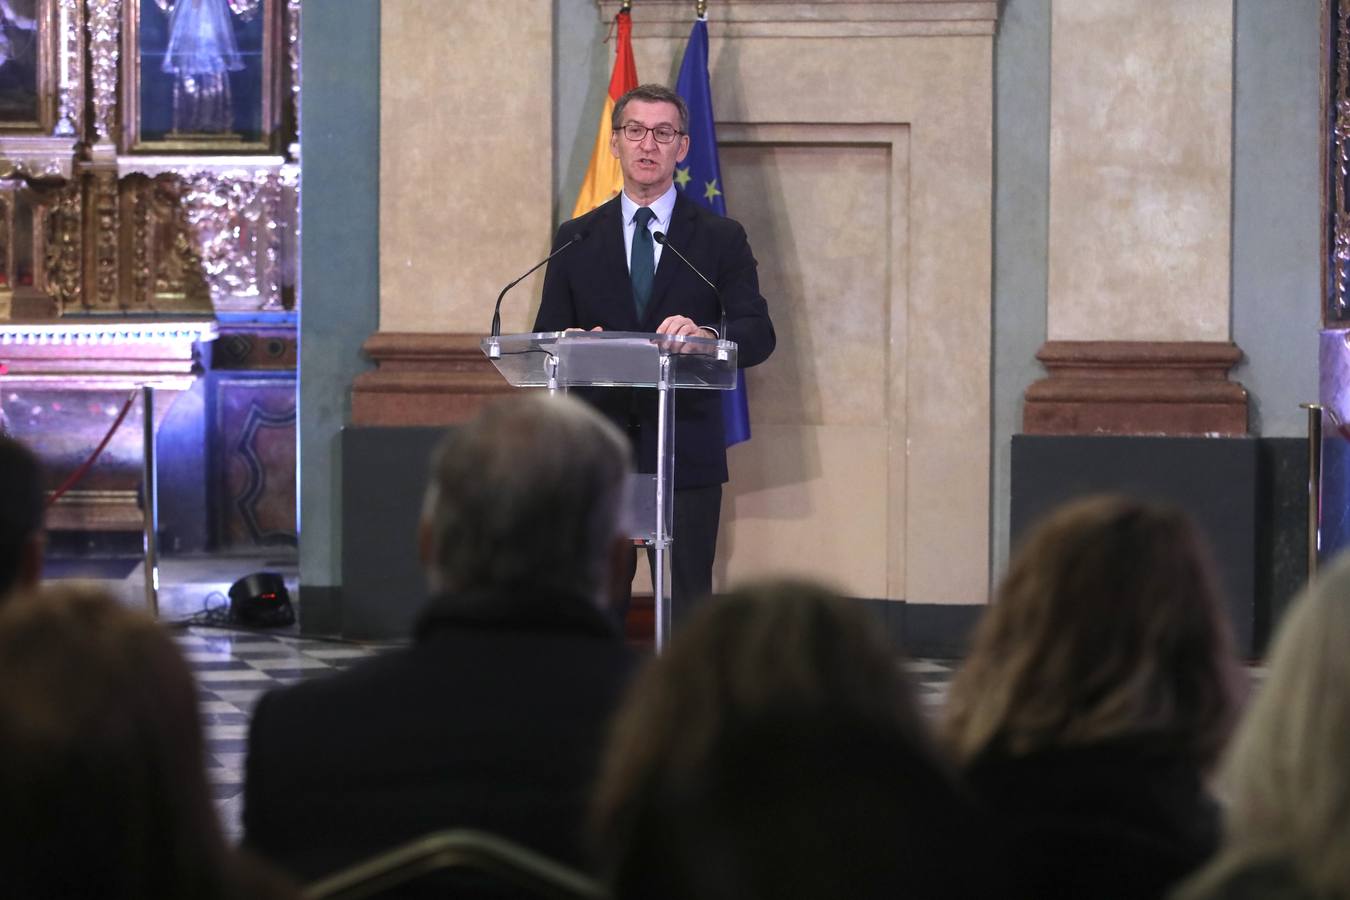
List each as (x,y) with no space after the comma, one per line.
(681,176)
(710,190)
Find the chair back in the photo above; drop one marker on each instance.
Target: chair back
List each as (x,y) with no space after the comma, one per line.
(492,866)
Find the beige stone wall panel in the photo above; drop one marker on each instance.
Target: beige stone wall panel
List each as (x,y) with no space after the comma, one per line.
(789,513)
(1140,169)
(464,161)
(825,211)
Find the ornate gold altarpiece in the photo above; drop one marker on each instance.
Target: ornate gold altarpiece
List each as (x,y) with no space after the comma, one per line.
(148,234)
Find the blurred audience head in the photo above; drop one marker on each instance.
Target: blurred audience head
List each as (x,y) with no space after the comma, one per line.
(21,509)
(1108,624)
(774,750)
(527,496)
(102,787)
(1286,778)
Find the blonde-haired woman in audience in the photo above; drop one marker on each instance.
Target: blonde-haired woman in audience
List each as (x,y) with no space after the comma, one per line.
(774,751)
(1099,689)
(102,784)
(1286,779)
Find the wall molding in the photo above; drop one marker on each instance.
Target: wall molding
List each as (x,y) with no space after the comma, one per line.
(1173,388)
(822,19)
(424,379)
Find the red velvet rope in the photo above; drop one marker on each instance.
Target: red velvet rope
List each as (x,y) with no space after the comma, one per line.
(93,457)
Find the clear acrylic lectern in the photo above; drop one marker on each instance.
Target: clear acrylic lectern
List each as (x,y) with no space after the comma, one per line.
(558,360)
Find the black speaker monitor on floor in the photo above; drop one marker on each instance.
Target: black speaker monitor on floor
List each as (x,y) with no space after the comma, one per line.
(261,600)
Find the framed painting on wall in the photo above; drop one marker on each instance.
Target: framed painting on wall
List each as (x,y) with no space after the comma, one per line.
(201,75)
(28,66)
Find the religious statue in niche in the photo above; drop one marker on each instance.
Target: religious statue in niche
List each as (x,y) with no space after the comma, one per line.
(204,72)
(200,54)
(19,42)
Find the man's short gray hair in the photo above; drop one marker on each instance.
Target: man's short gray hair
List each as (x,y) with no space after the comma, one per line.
(526,498)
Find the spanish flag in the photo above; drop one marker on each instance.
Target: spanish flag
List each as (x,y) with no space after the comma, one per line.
(603,178)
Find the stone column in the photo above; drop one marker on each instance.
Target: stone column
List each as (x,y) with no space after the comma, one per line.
(1139,238)
(466,174)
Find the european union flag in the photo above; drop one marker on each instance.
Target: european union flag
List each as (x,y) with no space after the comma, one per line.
(700,178)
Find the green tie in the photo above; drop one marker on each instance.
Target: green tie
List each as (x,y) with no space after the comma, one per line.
(640,267)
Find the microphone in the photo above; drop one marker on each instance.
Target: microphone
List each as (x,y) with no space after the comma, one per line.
(660,238)
(494,349)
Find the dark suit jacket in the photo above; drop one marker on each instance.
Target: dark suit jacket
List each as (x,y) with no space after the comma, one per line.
(588,285)
(495,725)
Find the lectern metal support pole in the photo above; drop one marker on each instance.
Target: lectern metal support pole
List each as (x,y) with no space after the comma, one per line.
(662,536)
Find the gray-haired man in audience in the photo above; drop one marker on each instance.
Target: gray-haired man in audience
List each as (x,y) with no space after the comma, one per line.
(494,717)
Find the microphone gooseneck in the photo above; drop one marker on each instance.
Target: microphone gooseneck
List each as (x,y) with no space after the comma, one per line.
(497,310)
(660,238)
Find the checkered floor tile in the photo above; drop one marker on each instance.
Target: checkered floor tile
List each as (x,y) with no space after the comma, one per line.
(233,669)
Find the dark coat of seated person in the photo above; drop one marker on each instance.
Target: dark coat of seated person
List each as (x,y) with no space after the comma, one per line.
(22,505)
(493,718)
(774,751)
(103,789)
(1099,690)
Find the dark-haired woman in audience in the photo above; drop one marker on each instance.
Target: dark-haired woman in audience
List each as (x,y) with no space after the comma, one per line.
(102,787)
(1286,779)
(774,751)
(1100,688)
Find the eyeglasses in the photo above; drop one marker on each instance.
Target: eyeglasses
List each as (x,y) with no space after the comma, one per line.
(664,134)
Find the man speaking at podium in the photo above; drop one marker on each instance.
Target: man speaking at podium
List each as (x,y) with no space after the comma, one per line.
(616,277)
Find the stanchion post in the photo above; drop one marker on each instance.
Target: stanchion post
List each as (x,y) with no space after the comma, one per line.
(150,479)
(1314,484)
